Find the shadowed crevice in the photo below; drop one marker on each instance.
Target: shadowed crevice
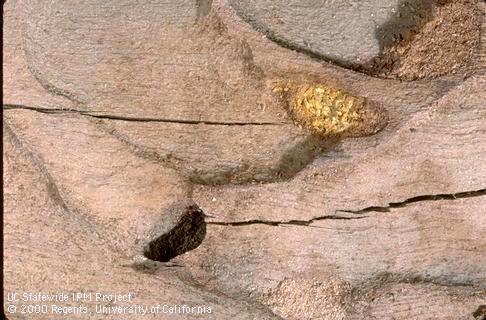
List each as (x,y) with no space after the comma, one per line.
(407,19)
(187,235)
(410,16)
(295,156)
(276,223)
(258,26)
(392,205)
(480,313)
(48,86)
(94,114)
(422,198)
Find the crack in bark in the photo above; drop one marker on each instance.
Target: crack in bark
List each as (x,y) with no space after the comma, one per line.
(391,205)
(49,87)
(480,312)
(296,222)
(290,45)
(137,119)
(388,208)
(186,235)
(435,197)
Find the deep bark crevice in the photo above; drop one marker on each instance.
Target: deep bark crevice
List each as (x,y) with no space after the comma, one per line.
(388,208)
(421,198)
(480,313)
(275,223)
(94,114)
(186,235)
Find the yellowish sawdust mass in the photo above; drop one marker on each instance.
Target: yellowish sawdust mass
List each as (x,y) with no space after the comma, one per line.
(322,109)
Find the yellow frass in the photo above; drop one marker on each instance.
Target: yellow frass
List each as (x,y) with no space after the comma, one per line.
(323,109)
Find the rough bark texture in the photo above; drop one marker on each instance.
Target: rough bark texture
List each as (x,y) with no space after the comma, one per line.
(147,151)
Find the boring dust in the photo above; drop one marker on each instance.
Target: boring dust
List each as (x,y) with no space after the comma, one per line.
(441,44)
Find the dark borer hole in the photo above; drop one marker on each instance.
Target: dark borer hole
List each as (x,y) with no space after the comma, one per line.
(480,313)
(187,235)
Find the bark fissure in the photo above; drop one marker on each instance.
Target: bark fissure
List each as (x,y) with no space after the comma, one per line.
(275,223)
(186,235)
(421,198)
(94,114)
(388,208)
